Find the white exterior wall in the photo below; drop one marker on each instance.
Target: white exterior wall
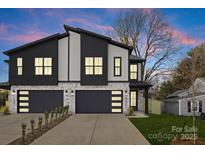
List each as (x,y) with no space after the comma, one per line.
(63,59)
(69,98)
(184,106)
(74,57)
(115,51)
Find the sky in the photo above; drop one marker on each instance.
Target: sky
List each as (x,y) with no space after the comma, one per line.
(21,26)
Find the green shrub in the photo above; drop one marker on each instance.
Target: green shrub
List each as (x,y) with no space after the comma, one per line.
(130,111)
(5,110)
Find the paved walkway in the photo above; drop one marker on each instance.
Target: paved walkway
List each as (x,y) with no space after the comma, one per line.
(82,129)
(10,126)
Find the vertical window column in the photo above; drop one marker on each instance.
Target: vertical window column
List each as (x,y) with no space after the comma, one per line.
(117,66)
(133,71)
(20,66)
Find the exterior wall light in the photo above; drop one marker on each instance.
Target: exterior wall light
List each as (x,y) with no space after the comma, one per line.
(125,92)
(72,93)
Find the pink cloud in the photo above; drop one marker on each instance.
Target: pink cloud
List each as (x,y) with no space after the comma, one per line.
(4,27)
(77,20)
(104,28)
(28,37)
(31,36)
(183,38)
(90,24)
(147,10)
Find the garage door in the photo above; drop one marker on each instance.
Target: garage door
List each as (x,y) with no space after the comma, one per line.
(98,101)
(39,101)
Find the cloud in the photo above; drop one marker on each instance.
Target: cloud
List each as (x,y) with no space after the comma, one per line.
(5,27)
(183,38)
(89,23)
(77,20)
(30,36)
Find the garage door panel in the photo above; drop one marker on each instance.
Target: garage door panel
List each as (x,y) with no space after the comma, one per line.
(39,101)
(93,101)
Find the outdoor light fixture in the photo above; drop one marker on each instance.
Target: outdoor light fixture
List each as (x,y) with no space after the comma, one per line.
(72,92)
(125,92)
(13,92)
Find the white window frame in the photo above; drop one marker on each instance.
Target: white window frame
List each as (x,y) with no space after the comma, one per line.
(132,72)
(197,106)
(19,66)
(93,66)
(43,66)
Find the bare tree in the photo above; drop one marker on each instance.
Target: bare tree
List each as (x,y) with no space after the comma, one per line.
(149,35)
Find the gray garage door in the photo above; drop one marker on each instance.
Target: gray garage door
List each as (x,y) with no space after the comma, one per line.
(39,101)
(97,101)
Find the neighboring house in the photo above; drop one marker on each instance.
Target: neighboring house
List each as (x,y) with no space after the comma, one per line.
(89,72)
(180,102)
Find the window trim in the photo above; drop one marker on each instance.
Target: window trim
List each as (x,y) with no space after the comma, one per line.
(93,66)
(134,72)
(43,66)
(120,67)
(19,66)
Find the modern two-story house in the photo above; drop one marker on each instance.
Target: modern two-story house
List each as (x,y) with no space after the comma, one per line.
(89,72)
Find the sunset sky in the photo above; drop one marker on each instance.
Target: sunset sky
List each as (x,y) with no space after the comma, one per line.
(20,26)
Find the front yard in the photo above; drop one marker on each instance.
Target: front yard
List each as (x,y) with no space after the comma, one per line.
(162,129)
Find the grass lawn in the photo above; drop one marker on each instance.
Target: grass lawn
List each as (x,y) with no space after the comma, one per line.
(161,129)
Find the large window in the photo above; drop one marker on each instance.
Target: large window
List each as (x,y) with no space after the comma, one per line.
(93,65)
(20,66)
(117,66)
(43,66)
(133,71)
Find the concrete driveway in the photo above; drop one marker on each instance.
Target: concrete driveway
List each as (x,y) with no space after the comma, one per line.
(10,126)
(97,129)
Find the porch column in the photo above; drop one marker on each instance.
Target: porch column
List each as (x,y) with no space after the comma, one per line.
(146,100)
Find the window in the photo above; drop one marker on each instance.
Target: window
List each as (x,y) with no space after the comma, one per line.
(43,66)
(133,71)
(133,98)
(93,65)
(197,108)
(20,66)
(117,66)
(200,106)
(189,106)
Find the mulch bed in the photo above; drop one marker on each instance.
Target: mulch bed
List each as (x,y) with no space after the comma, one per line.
(31,136)
(188,142)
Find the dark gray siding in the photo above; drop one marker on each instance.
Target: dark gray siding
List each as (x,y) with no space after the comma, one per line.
(94,47)
(44,49)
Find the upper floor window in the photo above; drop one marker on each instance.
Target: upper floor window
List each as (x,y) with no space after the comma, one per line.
(43,66)
(20,66)
(93,65)
(117,66)
(133,71)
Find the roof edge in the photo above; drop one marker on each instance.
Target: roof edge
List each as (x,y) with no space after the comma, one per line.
(8,52)
(79,30)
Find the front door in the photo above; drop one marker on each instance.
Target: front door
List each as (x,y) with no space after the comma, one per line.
(133,99)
